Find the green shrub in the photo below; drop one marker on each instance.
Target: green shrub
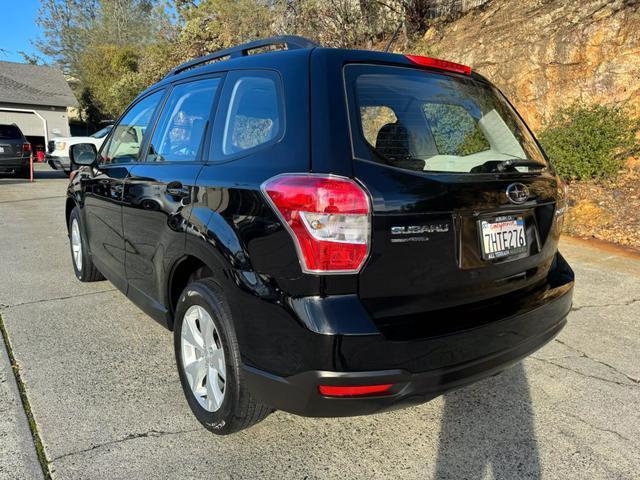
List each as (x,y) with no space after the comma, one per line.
(590,141)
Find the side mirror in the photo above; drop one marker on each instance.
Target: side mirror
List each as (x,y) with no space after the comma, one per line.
(83,154)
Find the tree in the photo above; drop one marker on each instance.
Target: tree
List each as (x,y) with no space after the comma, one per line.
(416,15)
(100,42)
(31,58)
(90,113)
(214,24)
(71,27)
(66,27)
(109,71)
(115,48)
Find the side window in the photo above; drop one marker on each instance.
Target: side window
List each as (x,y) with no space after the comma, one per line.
(126,139)
(254,116)
(183,122)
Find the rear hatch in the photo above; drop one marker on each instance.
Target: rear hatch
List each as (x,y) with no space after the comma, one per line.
(11,145)
(464,202)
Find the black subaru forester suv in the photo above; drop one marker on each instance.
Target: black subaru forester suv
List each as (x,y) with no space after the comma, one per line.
(328,232)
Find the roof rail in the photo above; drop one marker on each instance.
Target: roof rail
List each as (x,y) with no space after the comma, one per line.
(292,42)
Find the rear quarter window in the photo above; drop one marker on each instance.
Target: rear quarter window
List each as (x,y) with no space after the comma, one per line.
(251,114)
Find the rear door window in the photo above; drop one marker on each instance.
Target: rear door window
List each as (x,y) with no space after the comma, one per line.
(434,122)
(253,117)
(183,122)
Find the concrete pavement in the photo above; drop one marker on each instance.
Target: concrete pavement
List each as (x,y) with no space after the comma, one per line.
(18,457)
(102,384)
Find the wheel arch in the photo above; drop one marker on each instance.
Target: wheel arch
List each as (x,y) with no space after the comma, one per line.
(185,270)
(70,205)
(198,261)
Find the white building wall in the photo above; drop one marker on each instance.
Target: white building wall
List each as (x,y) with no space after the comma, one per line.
(57,119)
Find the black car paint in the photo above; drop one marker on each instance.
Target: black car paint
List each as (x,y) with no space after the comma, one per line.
(102,219)
(154,216)
(407,313)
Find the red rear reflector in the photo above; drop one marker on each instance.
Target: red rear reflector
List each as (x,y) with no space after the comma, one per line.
(26,147)
(353,391)
(328,217)
(439,64)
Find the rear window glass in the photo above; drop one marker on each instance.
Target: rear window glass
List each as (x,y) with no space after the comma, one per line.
(10,132)
(373,119)
(427,121)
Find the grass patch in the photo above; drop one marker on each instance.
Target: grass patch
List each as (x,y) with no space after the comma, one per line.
(42,458)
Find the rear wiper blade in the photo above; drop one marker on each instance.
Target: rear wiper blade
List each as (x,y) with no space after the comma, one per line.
(519,162)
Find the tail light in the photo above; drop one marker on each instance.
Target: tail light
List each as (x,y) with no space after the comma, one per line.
(562,204)
(439,64)
(26,148)
(354,391)
(328,217)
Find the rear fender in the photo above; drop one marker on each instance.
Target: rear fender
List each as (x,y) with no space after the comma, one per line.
(221,255)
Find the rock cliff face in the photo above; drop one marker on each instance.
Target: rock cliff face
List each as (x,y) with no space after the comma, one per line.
(544,54)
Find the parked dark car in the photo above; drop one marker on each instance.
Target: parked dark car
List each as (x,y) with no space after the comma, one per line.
(328,232)
(15,151)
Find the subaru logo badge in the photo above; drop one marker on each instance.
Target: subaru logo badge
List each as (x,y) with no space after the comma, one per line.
(517,193)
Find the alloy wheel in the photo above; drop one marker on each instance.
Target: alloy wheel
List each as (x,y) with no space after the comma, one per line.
(203,358)
(76,244)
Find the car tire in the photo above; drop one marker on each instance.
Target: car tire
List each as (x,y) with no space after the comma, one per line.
(83,266)
(219,397)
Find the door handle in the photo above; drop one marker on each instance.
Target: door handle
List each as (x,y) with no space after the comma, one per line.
(175,189)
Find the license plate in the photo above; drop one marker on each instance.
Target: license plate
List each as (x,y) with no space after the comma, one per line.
(502,237)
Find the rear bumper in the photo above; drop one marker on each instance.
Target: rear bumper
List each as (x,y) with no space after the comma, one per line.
(419,370)
(14,163)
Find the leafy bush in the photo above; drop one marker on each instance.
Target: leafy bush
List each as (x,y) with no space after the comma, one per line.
(590,141)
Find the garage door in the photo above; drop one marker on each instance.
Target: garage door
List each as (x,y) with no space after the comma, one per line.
(28,122)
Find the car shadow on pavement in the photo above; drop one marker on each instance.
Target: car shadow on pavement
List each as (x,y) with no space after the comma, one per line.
(11,181)
(49,174)
(38,174)
(488,430)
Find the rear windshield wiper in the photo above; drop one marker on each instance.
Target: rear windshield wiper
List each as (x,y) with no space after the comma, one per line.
(505,165)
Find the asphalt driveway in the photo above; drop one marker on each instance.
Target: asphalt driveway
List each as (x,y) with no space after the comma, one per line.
(100,380)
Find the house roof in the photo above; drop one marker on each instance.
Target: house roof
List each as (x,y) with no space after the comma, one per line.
(28,84)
